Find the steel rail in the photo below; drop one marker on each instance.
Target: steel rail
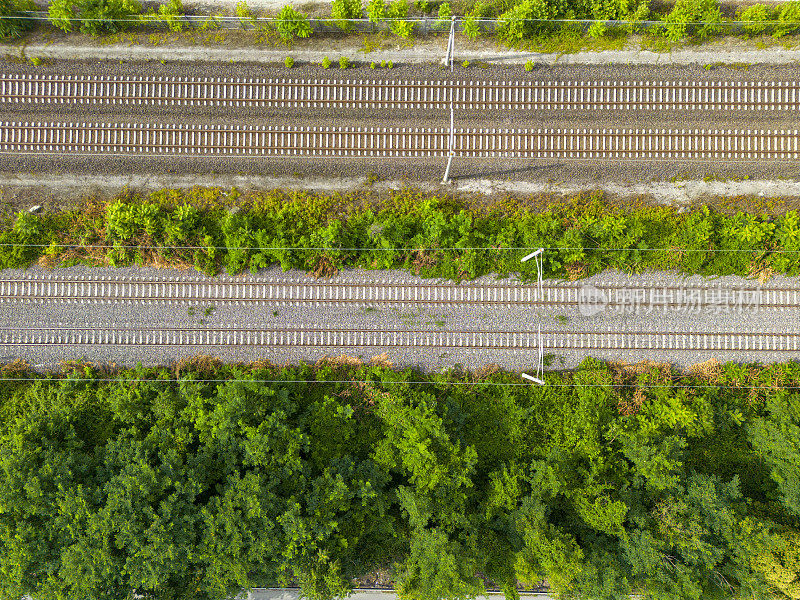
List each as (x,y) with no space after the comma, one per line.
(405,94)
(246,141)
(277,291)
(311,337)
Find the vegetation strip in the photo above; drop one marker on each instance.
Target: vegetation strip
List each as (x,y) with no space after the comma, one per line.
(512,22)
(434,236)
(197,480)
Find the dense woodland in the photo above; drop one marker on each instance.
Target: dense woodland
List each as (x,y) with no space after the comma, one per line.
(199,480)
(214,229)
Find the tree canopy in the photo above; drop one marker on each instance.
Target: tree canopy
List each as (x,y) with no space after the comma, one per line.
(179,487)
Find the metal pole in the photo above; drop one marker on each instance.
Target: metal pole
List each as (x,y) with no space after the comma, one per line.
(451,43)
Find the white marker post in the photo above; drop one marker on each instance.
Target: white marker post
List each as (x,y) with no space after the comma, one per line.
(539,268)
(450,143)
(540,360)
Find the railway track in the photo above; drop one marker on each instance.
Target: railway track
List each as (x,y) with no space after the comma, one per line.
(310,337)
(61,289)
(405,94)
(247,141)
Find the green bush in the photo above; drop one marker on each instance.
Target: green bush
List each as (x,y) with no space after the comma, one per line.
(470,24)
(443,17)
(383,64)
(244,13)
(12,25)
(465,64)
(395,13)
(103,15)
(389,65)
(288,62)
(344,11)
(789,18)
(755,19)
(344,62)
(169,14)
(372,65)
(529,65)
(707,12)
(376,11)
(525,20)
(326,63)
(291,23)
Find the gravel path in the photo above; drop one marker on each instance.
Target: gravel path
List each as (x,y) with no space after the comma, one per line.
(648,315)
(424,51)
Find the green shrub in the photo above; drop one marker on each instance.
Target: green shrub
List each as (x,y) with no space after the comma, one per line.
(344,62)
(289,62)
(389,65)
(789,18)
(707,12)
(376,11)
(344,11)
(755,19)
(443,20)
(169,14)
(383,64)
(326,63)
(291,23)
(529,65)
(470,25)
(524,20)
(372,65)
(245,14)
(396,12)
(465,64)
(12,25)
(104,15)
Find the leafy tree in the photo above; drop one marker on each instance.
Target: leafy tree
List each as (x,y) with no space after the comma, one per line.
(789,18)
(94,16)
(686,13)
(11,25)
(756,18)
(776,438)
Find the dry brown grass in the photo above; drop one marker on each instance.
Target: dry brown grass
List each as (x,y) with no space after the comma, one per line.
(381,360)
(17,367)
(342,360)
(423,259)
(761,272)
(323,267)
(202,364)
(709,370)
(576,270)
